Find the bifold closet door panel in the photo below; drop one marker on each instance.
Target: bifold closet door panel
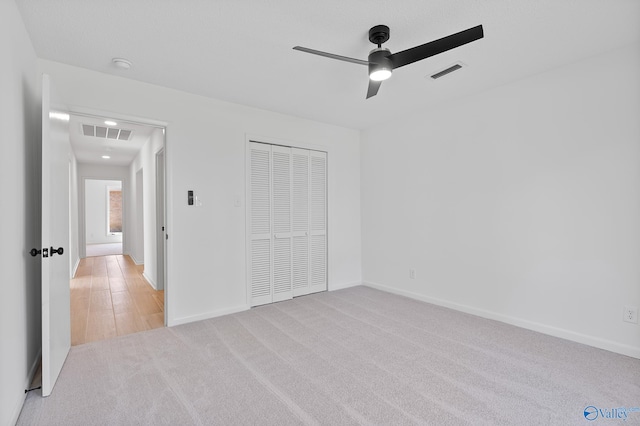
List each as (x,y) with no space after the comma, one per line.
(300,224)
(260,261)
(318,221)
(287,213)
(282,235)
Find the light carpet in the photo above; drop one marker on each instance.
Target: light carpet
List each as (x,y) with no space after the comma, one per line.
(353,356)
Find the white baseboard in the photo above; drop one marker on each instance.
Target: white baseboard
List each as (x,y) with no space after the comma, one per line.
(208,315)
(150,281)
(340,286)
(75,267)
(519,322)
(136,261)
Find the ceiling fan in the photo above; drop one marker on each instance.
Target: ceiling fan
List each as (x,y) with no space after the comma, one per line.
(382,62)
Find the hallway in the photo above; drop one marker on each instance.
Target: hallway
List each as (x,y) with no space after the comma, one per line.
(110,297)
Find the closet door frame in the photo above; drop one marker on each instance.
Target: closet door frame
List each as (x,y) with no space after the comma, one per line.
(249,138)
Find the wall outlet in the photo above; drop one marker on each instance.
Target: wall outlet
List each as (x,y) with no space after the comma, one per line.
(412,274)
(630,314)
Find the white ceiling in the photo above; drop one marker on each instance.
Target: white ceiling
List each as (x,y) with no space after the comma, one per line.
(90,149)
(241,50)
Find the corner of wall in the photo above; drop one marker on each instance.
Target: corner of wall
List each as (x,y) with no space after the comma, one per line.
(518,322)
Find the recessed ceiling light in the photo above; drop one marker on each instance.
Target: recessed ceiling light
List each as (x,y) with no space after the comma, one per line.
(106,157)
(110,123)
(121,63)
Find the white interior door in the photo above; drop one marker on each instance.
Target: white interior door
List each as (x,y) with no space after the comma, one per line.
(300,221)
(318,219)
(259,203)
(281,178)
(56,323)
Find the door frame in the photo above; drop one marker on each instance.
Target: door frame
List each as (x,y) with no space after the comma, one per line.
(82,214)
(160,217)
(168,194)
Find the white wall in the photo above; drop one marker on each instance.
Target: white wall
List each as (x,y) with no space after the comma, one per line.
(20,127)
(145,161)
(95,210)
(88,171)
(521,203)
(136,216)
(205,152)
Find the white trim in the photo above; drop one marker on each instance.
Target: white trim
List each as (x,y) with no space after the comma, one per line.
(150,281)
(341,286)
(209,315)
(75,268)
(125,118)
(518,322)
(136,261)
(284,142)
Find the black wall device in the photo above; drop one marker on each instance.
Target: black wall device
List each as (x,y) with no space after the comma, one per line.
(190,198)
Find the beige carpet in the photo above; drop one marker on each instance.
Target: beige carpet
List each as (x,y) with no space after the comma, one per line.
(354,356)
(107,249)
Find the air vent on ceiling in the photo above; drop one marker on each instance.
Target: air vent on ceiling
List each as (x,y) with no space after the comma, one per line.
(446,71)
(106,132)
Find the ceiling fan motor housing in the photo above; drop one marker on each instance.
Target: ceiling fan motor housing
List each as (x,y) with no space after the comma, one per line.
(379,34)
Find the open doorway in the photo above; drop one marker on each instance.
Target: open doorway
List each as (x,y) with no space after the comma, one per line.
(118,286)
(103,200)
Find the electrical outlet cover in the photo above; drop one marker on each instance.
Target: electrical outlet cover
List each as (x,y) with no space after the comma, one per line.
(630,314)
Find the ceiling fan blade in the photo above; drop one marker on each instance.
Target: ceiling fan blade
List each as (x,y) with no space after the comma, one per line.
(432,48)
(331,55)
(373,88)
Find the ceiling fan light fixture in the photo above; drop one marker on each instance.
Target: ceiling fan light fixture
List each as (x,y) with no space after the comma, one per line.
(380,74)
(380,67)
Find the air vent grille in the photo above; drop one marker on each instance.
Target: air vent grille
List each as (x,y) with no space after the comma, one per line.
(106,132)
(446,71)
(88,130)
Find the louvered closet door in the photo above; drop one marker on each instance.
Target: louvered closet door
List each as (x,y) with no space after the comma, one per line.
(260,260)
(318,221)
(282,235)
(300,222)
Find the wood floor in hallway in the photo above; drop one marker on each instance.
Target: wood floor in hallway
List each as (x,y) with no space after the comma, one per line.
(110,297)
